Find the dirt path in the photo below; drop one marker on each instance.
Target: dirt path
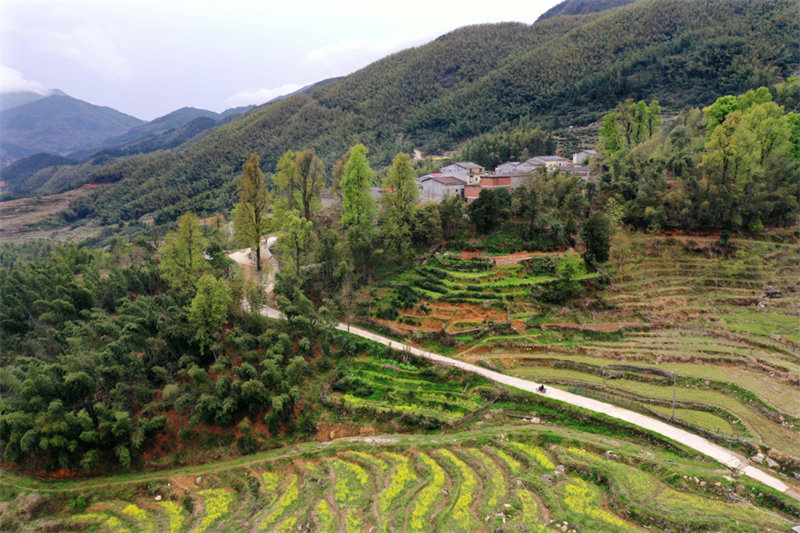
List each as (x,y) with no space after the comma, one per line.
(732,460)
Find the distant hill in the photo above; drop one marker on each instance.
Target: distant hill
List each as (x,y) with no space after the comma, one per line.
(582,7)
(164,133)
(566,70)
(58,124)
(17,176)
(236,111)
(170,121)
(161,141)
(18,98)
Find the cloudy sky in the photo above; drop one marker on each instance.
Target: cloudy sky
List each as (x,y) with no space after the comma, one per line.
(148,58)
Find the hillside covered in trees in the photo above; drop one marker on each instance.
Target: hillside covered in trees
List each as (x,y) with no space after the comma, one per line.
(560,70)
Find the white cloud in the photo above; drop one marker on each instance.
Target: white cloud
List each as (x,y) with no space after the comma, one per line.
(261,96)
(91,47)
(12,80)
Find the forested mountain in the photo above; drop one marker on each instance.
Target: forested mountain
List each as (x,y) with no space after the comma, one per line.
(58,124)
(17,175)
(582,7)
(567,70)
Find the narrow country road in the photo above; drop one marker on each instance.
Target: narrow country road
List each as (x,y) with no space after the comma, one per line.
(734,461)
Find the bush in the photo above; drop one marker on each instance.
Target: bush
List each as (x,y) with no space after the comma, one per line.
(542,265)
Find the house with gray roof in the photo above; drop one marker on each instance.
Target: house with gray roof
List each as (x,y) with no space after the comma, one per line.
(437,187)
(548,161)
(514,168)
(583,157)
(465,170)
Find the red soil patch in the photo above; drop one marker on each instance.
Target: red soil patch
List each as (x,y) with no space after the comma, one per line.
(507,259)
(472,254)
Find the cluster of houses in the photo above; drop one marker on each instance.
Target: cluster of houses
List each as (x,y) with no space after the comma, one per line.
(467,179)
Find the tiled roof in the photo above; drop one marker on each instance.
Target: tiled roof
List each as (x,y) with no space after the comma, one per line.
(447,180)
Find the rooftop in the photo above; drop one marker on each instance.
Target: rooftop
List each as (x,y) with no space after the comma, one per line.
(444,180)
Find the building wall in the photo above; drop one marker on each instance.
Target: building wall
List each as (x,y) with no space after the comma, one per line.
(432,190)
(455,170)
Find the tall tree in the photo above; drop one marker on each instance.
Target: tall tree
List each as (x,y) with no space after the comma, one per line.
(338,173)
(209,309)
(295,242)
(284,179)
(250,216)
(399,201)
(357,203)
(596,234)
(309,176)
(182,258)
(451,213)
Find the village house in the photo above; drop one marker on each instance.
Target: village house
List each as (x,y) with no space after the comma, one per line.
(583,157)
(469,172)
(548,161)
(514,168)
(580,170)
(469,179)
(436,187)
(488,181)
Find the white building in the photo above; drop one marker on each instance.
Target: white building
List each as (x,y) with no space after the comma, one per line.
(583,157)
(467,171)
(549,161)
(436,187)
(513,168)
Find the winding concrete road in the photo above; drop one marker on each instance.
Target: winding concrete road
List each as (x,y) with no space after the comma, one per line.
(736,462)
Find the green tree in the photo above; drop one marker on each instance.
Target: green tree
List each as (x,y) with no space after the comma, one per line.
(451,213)
(357,202)
(399,201)
(250,216)
(209,309)
(285,180)
(182,258)
(310,177)
(427,226)
(338,173)
(596,234)
(490,208)
(294,244)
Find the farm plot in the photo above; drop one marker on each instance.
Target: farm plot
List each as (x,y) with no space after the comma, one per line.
(374,386)
(462,296)
(517,478)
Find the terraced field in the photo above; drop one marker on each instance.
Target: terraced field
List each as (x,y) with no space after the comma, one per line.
(728,327)
(462,297)
(517,478)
